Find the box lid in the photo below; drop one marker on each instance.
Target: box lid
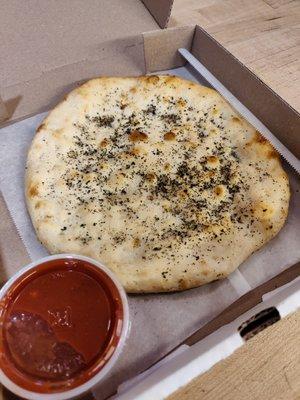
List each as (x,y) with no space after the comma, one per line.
(37,38)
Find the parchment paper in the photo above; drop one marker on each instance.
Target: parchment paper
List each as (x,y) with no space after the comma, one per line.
(158,322)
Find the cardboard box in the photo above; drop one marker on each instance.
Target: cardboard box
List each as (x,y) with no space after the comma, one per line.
(112,38)
(188,362)
(106,39)
(51,46)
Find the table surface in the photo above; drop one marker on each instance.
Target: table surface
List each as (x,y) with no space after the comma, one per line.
(266,367)
(262,34)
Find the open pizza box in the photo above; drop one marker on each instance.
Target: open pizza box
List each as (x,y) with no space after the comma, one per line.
(196,356)
(50,48)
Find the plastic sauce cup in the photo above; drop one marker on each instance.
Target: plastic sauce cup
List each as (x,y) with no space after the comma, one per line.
(63,324)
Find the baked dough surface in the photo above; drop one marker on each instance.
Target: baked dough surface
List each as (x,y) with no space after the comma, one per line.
(158,178)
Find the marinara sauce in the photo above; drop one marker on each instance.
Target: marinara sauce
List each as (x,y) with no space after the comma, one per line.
(61,322)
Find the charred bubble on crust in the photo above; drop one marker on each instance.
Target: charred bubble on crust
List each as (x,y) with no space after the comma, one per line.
(41,127)
(169,136)
(136,242)
(219,190)
(38,204)
(104,143)
(137,136)
(259,138)
(273,154)
(152,79)
(33,190)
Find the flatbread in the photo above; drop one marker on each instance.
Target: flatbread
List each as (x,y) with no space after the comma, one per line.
(158,178)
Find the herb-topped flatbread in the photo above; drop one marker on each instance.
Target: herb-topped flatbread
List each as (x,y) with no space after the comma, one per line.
(158,178)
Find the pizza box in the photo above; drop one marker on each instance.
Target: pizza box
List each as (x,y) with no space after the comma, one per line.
(48,47)
(195,357)
(122,38)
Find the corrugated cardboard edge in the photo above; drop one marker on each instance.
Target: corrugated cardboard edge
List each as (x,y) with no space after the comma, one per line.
(3,111)
(160,10)
(160,47)
(244,304)
(281,119)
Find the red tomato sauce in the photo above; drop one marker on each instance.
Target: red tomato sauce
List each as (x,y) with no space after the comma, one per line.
(61,322)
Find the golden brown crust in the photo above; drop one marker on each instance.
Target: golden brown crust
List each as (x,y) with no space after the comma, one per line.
(158,178)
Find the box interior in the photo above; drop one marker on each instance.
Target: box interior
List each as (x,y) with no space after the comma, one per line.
(28,88)
(34,69)
(161,10)
(144,347)
(192,360)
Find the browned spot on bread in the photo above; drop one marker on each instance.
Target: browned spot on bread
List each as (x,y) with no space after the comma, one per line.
(123,105)
(153,79)
(137,136)
(132,90)
(272,153)
(167,167)
(169,136)
(47,217)
(219,190)
(38,204)
(104,143)
(259,138)
(213,161)
(33,190)
(181,102)
(57,133)
(170,79)
(205,272)
(135,151)
(183,284)
(263,211)
(136,242)
(150,177)
(182,194)
(190,144)
(283,212)
(236,119)
(83,90)
(42,126)
(215,111)
(124,98)
(208,175)
(37,146)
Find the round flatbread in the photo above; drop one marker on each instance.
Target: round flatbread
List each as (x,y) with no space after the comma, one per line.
(158,178)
